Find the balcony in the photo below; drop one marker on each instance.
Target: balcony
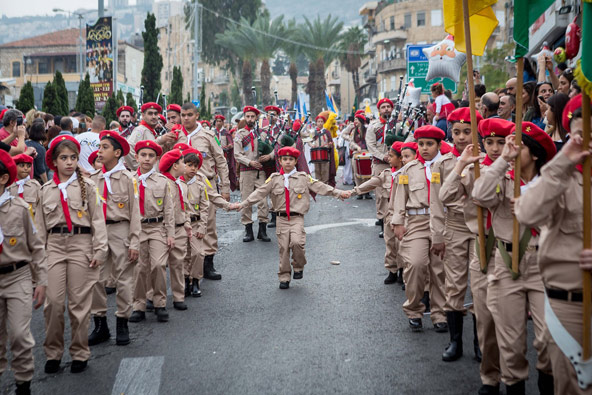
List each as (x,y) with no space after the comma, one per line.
(221,79)
(386,36)
(389,65)
(369,49)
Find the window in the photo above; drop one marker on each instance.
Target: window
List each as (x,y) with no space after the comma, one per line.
(43,66)
(407,21)
(501,18)
(421,19)
(392,23)
(16,69)
(436,17)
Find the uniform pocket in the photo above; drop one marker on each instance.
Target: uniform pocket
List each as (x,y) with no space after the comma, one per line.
(278,191)
(49,208)
(416,187)
(120,201)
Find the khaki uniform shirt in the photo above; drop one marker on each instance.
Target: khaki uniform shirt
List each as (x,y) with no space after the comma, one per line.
(555,202)
(378,149)
(158,201)
(301,184)
(139,133)
(213,158)
(31,193)
(440,172)
(412,191)
(213,196)
(181,138)
(181,216)
(245,154)
(383,182)
(197,203)
(87,213)
(123,203)
(21,239)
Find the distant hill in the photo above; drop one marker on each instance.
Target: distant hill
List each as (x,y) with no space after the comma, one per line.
(345,10)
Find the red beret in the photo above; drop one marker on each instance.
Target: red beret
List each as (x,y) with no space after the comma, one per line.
(397,146)
(429,132)
(125,108)
(168,160)
(463,115)
(296,125)
(533,131)
(495,127)
(360,112)
(191,150)
(93,157)
(247,109)
(174,107)
(151,105)
(8,162)
(150,144)
(22,158)
(360,115)
(219,116)
(572,105)
(206,122)
(181,146)
(2,113)
(410,144)
(273,108)
(323,117)
(382,101)
(110,134)
(162,119)
(52,146)
(289,151)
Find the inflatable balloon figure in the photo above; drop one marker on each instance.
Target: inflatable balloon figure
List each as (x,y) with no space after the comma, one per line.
(412,95)
(573,37)
(444,60)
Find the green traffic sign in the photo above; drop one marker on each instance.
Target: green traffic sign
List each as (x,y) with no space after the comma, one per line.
(417,68)
(420,82)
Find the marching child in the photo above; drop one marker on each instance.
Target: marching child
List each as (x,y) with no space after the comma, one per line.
(408,152)
(73,232)
(157,236)
(25,187)
(94,160)
(121,210)
(22,260)
(290,198)
(411,220)
(510,293)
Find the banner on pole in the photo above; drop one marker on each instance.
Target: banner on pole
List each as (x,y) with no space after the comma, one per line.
(99,59)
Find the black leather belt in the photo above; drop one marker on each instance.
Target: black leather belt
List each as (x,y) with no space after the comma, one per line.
(111,222)
(195,218)
(561,294)
(152,220)
(179,225)
(12,267)
(283,214)
(508,246)
(76,230)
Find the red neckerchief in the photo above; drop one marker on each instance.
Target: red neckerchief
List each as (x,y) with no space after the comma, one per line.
(141,189)
(120,129)
(143,123)
(105,194)
(422,160)
(170,177)
(580,168)
(533,231)
(455,151)
(65,207)
(382,121)
(252,137)
(488,162)
(287,193)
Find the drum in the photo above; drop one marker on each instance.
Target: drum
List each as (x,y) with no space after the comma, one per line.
(363,163)
(319,155)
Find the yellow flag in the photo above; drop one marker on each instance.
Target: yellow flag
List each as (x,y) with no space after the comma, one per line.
(481,17)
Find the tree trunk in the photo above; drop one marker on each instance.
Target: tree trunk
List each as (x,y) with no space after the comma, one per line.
(294,77)
(311,87)
(356,82)
(265,82)
(247,77)
(319,88)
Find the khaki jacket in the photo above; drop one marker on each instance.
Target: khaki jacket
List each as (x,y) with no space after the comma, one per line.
(181,216)
(213,158)
(31,193)
(412,191)
(440,172)
(244,155)
(158,201)
(212,194)
(87,213)
(383,181)
(21,239)
(139,133)
(197,203)
(378,149)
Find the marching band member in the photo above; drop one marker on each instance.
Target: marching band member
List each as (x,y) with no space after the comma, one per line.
(125,118)
(227,144)
(355,133)
(321,138)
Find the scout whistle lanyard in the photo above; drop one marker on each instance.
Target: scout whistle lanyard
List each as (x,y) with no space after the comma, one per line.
(62,186)
(143,178)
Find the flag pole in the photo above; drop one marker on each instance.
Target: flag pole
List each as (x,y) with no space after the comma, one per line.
(587,244)
(517,176)
(476,150)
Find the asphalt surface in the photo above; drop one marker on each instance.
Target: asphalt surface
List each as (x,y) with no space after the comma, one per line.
(338,330)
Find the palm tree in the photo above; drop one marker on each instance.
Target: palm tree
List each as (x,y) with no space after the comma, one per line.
(292,51)
(323,37)
(351,44)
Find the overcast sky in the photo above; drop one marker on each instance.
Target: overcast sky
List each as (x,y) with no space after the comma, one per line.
(44,7)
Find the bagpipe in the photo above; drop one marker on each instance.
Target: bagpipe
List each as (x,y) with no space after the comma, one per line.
(403,118)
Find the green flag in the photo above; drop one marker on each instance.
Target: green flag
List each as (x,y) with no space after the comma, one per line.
(526,12)
(583,72)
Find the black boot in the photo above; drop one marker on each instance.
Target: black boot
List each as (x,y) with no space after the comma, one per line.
(368,196)
(360,197)
(187,287)
(110,290)
(391,279)
(161,314)
(262,233)
(195,291)
(101,332)
(78,366)
(273,217)
(149,305)
(381,234)
(23,388)
(122,338)
(476,349)
(209,270)
(426,301)
(455,326)
(400,276)
(516,389)
(378,222)
(545,383)
(489,390)
(248,233)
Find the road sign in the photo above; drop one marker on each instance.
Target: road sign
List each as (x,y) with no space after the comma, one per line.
(417,68)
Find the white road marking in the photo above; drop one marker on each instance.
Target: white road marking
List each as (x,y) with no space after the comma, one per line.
(138,376)
(357,221)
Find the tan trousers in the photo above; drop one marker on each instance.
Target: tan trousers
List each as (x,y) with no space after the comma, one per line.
(460,250)
(391,256)
(68,273)
(509,301)
(291,237)
(16,298)
(418,261)
(379,192)
(176,259)
(194,260)
(249,181)
(150,273)
(564,375)
(210,240)
(321,171)
(489,369)
(122,270)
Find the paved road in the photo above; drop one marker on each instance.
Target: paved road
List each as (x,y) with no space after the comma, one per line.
(339,330)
